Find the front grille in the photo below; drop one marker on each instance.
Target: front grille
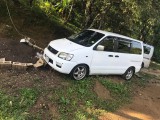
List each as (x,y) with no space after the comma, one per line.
(52,50)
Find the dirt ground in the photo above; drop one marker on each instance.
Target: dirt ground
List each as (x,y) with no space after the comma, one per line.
(145,104)
(45,79)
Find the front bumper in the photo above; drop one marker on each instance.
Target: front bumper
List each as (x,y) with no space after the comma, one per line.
(57,63)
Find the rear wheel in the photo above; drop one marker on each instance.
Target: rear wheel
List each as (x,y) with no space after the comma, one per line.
(129,73)
(79,72)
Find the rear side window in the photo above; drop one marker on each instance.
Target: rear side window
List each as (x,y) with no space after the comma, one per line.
(146,49)
(136,48)
(123,46)
(128,46)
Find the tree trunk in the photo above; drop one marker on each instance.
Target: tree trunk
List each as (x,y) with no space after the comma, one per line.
(69,14)
(31,3)
(88,12)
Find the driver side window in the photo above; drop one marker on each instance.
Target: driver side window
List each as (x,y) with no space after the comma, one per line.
(108,44)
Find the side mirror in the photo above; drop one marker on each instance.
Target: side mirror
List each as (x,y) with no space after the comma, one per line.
(100,48)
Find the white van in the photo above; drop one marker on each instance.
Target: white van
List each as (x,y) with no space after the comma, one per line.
(148,53)
(95,52)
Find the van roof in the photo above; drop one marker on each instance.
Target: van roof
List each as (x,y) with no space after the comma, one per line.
(114,34)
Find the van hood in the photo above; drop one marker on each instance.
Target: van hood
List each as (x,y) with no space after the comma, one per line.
(65,45)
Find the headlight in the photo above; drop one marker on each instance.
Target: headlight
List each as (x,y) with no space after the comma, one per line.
(65,56)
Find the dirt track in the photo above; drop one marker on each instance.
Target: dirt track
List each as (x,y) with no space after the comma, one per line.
(145,104)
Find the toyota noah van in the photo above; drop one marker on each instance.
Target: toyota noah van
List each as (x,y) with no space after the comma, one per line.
(95,52)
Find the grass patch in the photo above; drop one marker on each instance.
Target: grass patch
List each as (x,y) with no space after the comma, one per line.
(74,100)
(144,80)
(16,108)
(71,100)
(121,93)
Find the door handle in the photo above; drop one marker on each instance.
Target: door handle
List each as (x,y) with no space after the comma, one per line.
(110,55)
(116,56)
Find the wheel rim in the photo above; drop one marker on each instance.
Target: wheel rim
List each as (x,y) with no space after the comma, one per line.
(80,72)
(129,74)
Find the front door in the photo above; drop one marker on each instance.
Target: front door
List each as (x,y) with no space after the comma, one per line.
(104,62)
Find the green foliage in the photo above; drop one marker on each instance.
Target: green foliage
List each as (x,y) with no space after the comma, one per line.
(16,108)
(118,90)
(28,97)
(80,116)
(3,9)
(157,54)
(46,7)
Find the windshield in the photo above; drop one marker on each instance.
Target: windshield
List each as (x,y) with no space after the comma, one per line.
(86,38)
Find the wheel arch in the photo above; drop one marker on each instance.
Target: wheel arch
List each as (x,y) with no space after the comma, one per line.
(124,75)
(88,68)
(134,68)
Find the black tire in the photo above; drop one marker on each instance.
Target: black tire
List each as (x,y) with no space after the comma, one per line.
(142,66)
(79,72)
(129,73)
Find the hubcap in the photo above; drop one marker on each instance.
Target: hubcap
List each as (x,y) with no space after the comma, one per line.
(129,74)
(79,73)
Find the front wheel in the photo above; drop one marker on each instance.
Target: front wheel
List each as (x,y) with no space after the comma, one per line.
(79,72)
(142,66)
(129,73)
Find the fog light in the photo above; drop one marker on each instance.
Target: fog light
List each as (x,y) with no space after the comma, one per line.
(58,64)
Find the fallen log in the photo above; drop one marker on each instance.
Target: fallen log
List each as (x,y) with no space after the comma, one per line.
(21,66)
(27,41)
(39,63)
(2,59)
